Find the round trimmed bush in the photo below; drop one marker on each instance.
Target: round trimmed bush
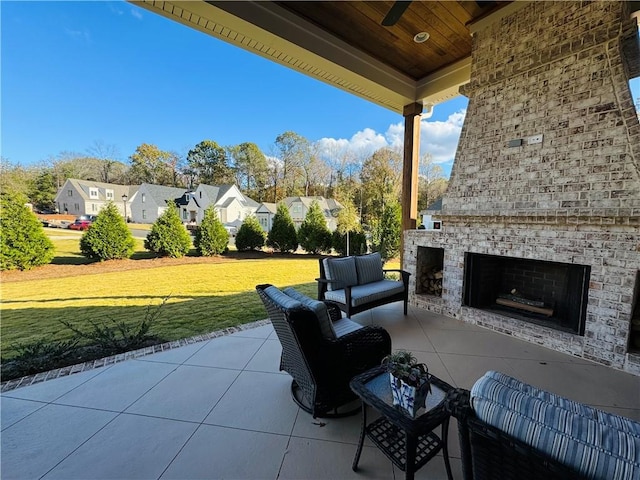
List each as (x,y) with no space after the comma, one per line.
(250,236)
(168,236)
(108,238)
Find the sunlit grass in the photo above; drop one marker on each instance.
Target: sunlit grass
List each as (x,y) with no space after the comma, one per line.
(203,298)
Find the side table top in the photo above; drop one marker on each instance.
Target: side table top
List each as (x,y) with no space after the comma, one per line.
(373,388)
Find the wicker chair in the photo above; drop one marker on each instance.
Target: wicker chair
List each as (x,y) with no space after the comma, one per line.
(322,368)
(490,454)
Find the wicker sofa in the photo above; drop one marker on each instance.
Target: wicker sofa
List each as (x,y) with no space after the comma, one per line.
(511,430)
(358,283)
(321,350)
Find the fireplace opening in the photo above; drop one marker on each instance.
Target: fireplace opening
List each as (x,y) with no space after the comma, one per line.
(429,271)
(546,293)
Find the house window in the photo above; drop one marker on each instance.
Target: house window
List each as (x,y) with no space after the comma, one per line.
(76,206)
(70,193)
(93,193)
(109,194)
(143,198)
(263,222)
(297,208)
(65,209)
(184,214)
(94,207)
(144,214)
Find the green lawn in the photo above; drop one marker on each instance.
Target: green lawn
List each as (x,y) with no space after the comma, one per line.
(204,297)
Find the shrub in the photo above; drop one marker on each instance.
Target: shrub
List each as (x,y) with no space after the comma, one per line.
(23,243)
(282,236)
(108,238)
(357,243)
(250,236)
(168,237)
(211,238)
(313,235)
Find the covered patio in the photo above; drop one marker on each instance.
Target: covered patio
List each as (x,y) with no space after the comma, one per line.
(220,408)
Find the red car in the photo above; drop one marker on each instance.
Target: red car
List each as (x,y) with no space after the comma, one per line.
(80,225)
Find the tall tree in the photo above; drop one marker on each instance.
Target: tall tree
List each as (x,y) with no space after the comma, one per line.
(294,152)
(107,156)
(251,169)
(14,178)
(431,183)
(381,179)
(210,163)
(43,190)
(387,229)
(149,164)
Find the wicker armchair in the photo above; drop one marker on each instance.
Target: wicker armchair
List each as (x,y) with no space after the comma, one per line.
(322,368)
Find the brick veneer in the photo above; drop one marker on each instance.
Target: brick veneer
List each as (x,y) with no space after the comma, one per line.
(556,69)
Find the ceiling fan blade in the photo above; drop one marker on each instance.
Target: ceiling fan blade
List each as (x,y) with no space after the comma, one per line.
(395,12)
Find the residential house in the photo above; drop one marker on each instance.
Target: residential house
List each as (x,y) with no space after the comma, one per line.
(87,197)
(231,205)
(150,201)
(265,214)
(298,207)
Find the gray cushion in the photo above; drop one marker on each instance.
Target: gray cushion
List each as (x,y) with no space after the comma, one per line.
(344,326)
(370,292)
(593,442)
(341,269)
(285,301)
(319,308)
(369,268)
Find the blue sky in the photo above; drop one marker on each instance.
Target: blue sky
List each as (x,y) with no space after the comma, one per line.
(76,73)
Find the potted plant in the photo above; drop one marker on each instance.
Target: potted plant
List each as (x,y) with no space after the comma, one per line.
(409,380)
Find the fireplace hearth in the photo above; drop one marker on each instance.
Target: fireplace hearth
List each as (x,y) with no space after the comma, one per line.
(551,294)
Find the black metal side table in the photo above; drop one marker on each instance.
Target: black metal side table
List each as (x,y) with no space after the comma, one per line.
(408,442)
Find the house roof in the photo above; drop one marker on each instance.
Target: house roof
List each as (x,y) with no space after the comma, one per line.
(327,205)
(267,207)
(83,186)
(216,192)
(162,194)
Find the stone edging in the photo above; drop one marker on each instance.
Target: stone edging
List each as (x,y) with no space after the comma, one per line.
(121,357)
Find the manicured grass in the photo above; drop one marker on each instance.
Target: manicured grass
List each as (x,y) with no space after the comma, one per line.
(203,298)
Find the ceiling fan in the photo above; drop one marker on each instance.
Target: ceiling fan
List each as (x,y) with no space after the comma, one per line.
(394,13)
(398,8)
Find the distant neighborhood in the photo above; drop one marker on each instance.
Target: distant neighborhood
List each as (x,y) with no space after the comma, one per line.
(146,202)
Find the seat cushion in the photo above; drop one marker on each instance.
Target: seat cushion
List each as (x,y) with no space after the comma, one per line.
(369,268)
(595,443)
(345,326)
(341,270)
(362,294)
(319,308)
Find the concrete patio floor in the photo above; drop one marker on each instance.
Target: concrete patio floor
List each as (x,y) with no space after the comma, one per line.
(221,409)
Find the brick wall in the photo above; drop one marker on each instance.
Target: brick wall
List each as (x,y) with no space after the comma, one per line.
(555,69)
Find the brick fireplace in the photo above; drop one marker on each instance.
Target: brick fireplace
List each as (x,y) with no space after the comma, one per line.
(547,176)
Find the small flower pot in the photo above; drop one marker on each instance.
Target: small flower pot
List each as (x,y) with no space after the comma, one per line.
(408,397)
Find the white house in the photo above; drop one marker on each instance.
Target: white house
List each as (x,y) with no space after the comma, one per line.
(265,214)
(150,201)
(86,197)
(231,205)
(298,207)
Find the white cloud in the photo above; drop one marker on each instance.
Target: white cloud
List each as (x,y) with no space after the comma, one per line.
(438,138)
(83,34)
(136,13)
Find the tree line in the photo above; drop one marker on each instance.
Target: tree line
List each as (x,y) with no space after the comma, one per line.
(363,182)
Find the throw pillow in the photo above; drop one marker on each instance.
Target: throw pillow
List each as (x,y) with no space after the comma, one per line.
(342,271)
(369,268)
(319,308)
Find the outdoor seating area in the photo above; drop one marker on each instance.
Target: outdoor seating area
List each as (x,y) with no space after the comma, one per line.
(221,408)
(357,283)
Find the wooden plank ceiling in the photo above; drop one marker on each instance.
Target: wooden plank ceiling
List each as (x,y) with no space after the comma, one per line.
(359,24)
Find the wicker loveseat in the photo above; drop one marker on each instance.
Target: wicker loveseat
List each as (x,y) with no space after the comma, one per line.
(321,350)
(358,283)
(511,430)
